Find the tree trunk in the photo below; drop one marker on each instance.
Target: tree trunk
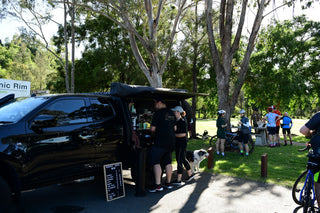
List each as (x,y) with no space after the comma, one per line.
(66,68)
(195,72)
(72,14)
(222,59)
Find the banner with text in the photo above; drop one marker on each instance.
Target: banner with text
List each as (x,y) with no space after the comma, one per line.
(18,88)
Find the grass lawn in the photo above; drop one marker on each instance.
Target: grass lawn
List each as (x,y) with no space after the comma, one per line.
(285,163)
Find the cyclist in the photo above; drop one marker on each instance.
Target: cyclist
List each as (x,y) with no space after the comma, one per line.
(312,129)
(277,136)
(271,118)
(221,132)
(244,132)
(286,126)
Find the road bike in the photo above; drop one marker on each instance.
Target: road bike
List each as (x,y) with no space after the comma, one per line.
(303,192)
(232,143)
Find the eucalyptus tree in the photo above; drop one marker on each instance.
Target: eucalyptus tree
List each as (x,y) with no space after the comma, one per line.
(157,36)
(232,15)
(35,15)
(192,54)
(285,66)
(106,58)
(5,60)
(21,64)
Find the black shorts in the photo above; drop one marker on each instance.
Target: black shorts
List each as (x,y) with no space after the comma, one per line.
(243,138)
(271,130)
(286,131)
(277,129)
(160,156)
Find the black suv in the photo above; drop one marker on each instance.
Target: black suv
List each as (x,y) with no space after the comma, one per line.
(56,138)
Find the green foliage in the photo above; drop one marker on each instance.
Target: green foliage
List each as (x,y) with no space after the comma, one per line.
(284,65)
(24,59)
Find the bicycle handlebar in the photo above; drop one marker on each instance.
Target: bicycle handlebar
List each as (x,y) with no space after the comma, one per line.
(306,148)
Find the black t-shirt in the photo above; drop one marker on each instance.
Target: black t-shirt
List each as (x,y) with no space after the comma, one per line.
(164,121)
(181,128)
(314,124)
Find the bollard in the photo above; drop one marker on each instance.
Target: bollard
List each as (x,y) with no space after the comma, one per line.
(264,165)
(141,172)
(210,162)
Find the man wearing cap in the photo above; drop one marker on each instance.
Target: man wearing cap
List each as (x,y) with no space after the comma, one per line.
(244,133)
(277,136)
(286,126)
(271,118)
(163,127)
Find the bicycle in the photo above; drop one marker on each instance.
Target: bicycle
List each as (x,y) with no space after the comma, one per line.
(232,143)
(303,192)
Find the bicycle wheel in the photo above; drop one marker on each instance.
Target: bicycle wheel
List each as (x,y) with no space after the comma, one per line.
(297,187)
(307,196)
(250,144)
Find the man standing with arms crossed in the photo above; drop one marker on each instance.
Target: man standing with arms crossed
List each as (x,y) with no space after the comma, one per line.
(163,127)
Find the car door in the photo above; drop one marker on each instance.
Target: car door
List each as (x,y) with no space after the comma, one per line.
(109,130)
(64,148)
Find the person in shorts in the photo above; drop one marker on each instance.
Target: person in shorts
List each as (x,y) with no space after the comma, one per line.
(221,132)
(277,136)
(244,132)
(163,126)
(312,129)
(286,126)
(271,118)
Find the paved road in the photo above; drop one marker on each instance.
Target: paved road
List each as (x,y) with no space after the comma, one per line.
(207,193)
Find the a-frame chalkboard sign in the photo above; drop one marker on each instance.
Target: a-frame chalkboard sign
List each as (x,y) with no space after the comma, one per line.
(113,181)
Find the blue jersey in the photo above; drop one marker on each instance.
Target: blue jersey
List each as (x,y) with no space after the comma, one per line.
(286,121)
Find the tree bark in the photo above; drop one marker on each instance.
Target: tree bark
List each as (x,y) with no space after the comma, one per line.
(66,68)
(222,60)
(72,14)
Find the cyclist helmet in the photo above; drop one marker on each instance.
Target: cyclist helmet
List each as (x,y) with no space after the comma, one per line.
(221,111)
(242,111)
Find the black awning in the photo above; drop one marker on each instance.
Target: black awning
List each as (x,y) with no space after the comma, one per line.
(137,91)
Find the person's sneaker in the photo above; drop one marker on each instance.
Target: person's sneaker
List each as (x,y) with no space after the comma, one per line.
(191,177)
(176,183)
(240,153)
(168,186)
(156,188)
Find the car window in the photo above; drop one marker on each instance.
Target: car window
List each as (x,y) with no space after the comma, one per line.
(16,109)
(101,110)
(67,111)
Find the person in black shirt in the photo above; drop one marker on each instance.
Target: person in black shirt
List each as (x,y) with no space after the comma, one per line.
(312,129)
(163,127)
(181,145)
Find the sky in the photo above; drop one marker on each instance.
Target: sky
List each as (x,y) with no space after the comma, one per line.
(9,27)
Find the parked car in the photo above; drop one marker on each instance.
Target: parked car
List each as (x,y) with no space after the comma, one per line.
(57,138)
